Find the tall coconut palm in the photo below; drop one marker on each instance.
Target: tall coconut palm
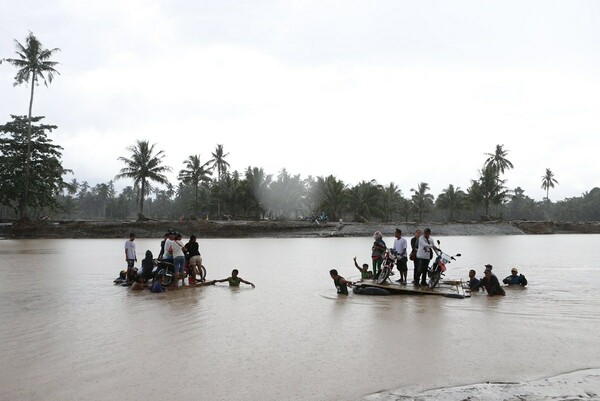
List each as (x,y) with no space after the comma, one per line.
(491,188)
(144,166)
(548,181)
(195,174)
(498,160)
(34,65)
(422,201)
(218,161)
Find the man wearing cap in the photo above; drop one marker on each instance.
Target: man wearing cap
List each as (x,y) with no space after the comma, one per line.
(490,283)
(515,278)
(488,267)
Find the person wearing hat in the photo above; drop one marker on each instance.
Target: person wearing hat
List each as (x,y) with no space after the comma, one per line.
(490,283)
(377,251)
(515,278)
(488,267)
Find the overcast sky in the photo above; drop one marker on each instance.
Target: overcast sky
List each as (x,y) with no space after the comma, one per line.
(402,91)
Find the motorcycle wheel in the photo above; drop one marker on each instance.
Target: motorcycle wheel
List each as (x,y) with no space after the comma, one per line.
(201,274)
(383,275)
(435,278)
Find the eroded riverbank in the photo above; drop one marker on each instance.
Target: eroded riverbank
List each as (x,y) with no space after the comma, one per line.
(278,229)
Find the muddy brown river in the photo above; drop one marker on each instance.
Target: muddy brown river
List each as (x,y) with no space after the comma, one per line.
(68,333)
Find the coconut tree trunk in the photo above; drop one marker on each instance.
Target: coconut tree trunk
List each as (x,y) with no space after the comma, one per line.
(142,192)
(25,199)
(196,200)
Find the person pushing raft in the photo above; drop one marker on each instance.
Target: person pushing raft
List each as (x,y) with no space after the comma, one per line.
(234,280)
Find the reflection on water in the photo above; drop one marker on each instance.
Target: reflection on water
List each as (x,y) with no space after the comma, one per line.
(68,333)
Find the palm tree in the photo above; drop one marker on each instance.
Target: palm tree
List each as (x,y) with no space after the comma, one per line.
(364,200)
(548,181)
(34,65)
(491,188)
(451,199)
(332,196)
(195,174)
(257,190)
(218,161)
(144,166)
(498,160)
(422,201)
(391,200)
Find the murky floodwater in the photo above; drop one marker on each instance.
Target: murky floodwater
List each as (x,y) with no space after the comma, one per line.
(68,333)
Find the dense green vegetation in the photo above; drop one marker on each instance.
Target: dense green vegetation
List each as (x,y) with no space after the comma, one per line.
(32,182)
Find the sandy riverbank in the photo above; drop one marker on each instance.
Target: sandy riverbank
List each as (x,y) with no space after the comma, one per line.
(278,229)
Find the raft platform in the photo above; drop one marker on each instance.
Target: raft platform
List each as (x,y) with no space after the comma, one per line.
(448,288)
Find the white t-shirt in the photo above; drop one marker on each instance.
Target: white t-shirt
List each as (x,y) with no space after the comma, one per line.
(130,249)
(177,248)
(400,247)
(168,254)
(425,247)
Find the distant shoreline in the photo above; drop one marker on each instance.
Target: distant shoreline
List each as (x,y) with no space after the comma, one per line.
(282,229)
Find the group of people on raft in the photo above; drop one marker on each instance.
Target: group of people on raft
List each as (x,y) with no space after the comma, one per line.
(183,260)
(422,248)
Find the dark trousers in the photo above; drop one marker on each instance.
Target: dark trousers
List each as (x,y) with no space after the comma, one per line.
(423,264)
(416,271)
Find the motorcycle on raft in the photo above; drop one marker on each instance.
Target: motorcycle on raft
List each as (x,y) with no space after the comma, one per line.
(387,265)
(438,268)
(434,272)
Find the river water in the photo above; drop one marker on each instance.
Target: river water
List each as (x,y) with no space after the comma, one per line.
(68,333)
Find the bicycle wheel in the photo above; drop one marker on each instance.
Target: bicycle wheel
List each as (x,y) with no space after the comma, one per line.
(435,278)
(200,273)
(383,274)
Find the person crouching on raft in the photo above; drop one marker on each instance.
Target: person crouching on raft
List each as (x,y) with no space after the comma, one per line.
(234,280)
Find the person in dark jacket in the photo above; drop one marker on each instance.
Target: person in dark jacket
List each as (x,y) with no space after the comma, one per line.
(515,278)
(414,245)
(491,284)
(473,281)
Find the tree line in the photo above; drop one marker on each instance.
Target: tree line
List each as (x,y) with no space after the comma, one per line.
(33,182)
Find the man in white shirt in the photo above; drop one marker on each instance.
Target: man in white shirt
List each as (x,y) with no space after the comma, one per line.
(424,255)
(130,256)
(401,258)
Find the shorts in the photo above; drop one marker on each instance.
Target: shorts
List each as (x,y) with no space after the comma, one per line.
(130,263)
(401,263)
(196,260)
(178,263)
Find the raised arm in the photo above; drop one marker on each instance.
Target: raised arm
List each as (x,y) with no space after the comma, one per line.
(357,266)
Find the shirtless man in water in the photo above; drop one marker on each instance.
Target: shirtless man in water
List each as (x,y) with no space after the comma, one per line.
(234,280)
